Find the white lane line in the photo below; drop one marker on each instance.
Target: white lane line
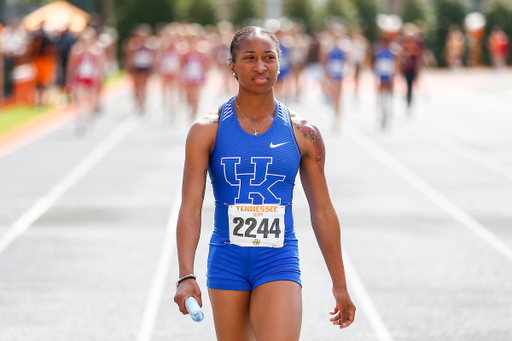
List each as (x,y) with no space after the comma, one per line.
(380,154)
(43,204)
(162,271)
(365,301)
(470,153)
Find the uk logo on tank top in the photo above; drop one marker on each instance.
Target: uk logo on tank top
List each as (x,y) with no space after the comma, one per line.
(253,188)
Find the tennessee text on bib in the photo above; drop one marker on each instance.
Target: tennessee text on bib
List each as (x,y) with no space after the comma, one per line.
(256,225)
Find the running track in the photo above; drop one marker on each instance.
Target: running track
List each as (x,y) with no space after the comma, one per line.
(87,249)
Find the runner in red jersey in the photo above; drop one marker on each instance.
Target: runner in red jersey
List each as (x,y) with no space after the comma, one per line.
(169,65)
(194,66)
(85,70)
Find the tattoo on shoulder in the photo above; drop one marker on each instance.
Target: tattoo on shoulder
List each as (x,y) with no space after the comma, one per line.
(312,134)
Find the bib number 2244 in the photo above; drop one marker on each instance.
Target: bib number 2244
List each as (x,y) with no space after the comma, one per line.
(256,225)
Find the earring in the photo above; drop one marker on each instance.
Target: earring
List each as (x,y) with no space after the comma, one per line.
(279,71)
(233,73)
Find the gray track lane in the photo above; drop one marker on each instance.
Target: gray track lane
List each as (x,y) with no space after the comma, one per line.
(84,270)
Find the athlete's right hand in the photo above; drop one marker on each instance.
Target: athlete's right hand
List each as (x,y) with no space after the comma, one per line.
(186,289)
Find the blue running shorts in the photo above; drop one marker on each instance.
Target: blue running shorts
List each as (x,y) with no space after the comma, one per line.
(232,267)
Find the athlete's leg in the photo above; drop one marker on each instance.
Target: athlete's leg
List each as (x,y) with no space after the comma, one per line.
(335,92)
(231,314)
(142,90)
(193,92)
(276,311)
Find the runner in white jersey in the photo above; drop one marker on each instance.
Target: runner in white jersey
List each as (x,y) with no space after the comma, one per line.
(253,148)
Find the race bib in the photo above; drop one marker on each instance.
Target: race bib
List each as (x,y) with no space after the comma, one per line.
(335,67)
(143,58)
(194,70)
(385,66)
(86,68)
(256,225)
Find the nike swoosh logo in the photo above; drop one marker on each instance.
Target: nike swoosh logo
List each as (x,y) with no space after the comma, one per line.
(272,145)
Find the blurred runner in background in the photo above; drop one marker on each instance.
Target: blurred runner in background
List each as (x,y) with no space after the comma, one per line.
(385,66)
(454,47)
(85,71)
(169,64)
(498,45)
(333,57)
(298,57)
(194,66)
(410,59)
(284,79)
(221,55)
(359,55)
(140,58)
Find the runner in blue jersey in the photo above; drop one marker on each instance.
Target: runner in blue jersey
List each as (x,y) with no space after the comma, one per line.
(334,58)
(253,147)
(385,66)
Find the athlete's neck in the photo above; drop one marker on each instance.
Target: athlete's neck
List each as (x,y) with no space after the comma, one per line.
(256,106)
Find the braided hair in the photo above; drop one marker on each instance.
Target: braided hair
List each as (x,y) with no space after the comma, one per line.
(246,32)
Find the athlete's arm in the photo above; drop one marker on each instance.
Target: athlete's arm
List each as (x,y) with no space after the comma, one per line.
(323,216)
(200,141)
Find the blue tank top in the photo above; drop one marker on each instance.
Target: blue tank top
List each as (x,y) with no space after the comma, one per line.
(248,169)
(335,63)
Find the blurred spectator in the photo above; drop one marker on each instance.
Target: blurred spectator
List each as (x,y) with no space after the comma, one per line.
(498,45)
(14,41)
(454,47)
(64,42)
(1,68)
(45,57)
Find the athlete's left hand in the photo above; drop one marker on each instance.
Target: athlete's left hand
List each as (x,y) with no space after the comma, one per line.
(344,311)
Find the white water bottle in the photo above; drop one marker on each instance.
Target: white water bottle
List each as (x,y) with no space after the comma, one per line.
(194,309)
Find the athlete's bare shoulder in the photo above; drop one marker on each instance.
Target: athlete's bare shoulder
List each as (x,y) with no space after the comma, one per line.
(308,137)
(204,130)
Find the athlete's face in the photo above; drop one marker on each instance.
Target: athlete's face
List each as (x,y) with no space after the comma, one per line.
(256,63)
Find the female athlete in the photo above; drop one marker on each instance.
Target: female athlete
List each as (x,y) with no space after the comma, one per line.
(253,148)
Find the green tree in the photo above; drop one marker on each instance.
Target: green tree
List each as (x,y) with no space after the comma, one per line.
(448,13)
(130,13)
(202,12)
(498,13)
(244,10)
(343,9)
(301,10)
(368,10)
(418,10)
